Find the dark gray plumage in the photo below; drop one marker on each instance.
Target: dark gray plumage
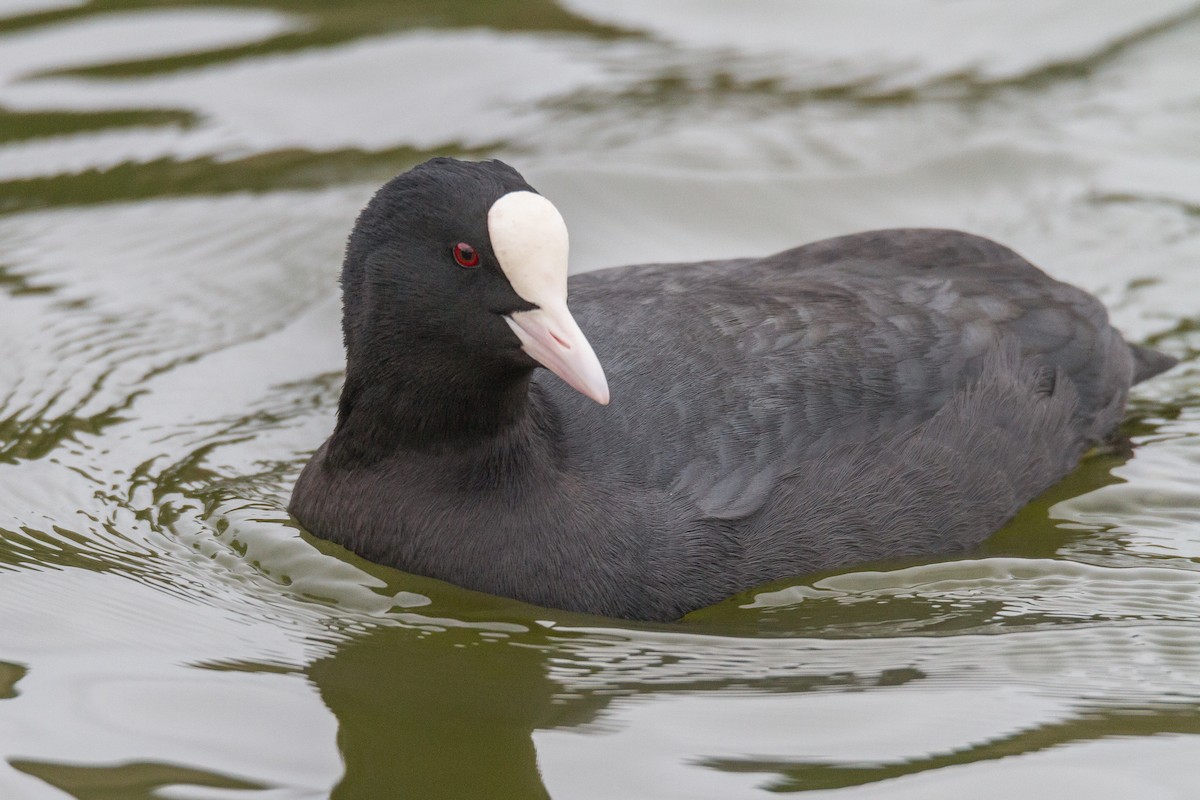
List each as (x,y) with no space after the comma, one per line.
(892,393)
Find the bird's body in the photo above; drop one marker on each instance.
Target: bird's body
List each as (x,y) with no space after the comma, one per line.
(891,393)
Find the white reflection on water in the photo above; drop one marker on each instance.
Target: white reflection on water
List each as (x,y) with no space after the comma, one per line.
(114,681)
(581,767)
(130,36)
(15,8)
(683,731)
(472,87)
(970,698)
(902,43)
(1155,510)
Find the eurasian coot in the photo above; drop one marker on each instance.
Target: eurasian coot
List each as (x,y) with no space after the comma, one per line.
(891,393)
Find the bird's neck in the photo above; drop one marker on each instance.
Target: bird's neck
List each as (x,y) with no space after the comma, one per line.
(383,415)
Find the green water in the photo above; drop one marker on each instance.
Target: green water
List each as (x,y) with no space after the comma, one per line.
(176,184)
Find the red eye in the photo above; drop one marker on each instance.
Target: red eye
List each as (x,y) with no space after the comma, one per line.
(465,255)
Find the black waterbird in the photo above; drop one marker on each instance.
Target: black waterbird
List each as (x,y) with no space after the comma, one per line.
(890,393)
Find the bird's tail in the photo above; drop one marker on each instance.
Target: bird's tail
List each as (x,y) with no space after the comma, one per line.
(1147,363)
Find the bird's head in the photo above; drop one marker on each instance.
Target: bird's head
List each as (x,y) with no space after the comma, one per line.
(463,266)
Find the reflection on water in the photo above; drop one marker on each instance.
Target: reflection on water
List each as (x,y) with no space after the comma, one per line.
(176,184)
(134,780)
(9,675)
